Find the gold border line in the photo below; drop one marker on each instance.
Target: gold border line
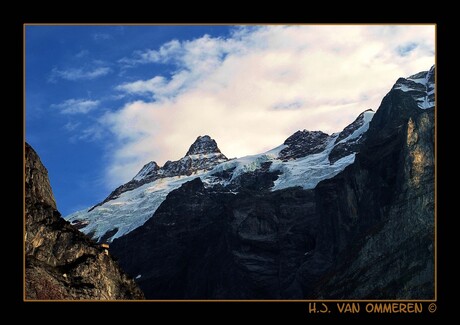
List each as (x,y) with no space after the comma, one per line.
(238,24)
(435,162)
(24,158)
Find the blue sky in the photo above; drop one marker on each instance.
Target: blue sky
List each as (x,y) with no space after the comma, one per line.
(101,101)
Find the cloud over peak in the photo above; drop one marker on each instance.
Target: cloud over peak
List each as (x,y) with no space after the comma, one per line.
(255,87)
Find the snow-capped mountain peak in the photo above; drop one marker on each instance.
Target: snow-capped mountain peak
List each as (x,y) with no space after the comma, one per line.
(351,137)
(420,86)
(146,171)
(350,129)
(203,155)
(302,160)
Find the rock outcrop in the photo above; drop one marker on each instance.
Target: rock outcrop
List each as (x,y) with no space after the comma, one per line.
(61,262)
(303,143)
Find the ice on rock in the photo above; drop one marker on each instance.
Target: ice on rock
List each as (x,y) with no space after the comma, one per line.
(421,87)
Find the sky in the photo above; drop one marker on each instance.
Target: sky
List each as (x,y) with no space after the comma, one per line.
(102,101)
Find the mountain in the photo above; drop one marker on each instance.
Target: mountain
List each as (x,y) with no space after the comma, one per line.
(304,159)
(342,216)
(202,155)
(299,227)
(131,204)
(61,262)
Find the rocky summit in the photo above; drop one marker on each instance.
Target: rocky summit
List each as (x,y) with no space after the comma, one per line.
(203,145)
(303,143)
(202,155)
(61,262)
(342,216)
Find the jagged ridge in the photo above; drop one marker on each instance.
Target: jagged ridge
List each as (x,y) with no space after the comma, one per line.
(303,160)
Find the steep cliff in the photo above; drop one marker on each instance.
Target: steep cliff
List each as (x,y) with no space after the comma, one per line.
(382,208)
(61,262)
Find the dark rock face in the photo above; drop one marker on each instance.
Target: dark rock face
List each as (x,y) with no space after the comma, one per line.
(383,206)
(203,154)
(367,233)
(207,244)
(303,143)
(61,262)
(203,145)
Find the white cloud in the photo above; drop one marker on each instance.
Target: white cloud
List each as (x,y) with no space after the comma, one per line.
(82,54)
(101,36)
(71,126)
(76,106)
(252,90)
(166,52)
(92,133)
(143,86)
(75,74)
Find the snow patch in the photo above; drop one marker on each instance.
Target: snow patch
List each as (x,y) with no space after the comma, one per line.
(308,171)
(421,97)
(362,129)
(422,81)
(131,209)
(404,88)
(246,164)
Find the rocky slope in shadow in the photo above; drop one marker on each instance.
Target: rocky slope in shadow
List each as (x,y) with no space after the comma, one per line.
(367,233)
(61,262)
(377,217)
